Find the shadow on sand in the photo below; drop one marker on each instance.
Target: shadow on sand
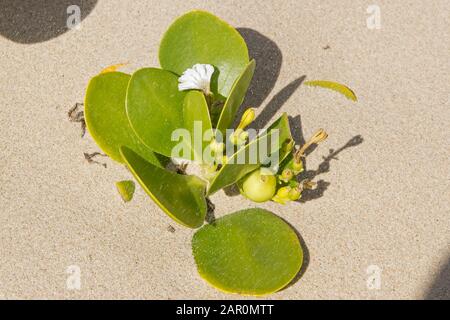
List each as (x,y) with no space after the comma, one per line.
(37,21)
(269,59)
(440,288)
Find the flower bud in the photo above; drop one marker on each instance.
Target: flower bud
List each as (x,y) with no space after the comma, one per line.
(294,194)
(286,175)
(284,192)
(282,195)
(297,167)
(247,118)
(217,147)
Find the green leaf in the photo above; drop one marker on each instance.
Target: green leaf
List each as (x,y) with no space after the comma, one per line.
(155,108)
(126,189)
(249,252)
(197,121)
(346,91)
(234,170)
(106,119)
(236,97)
(200,37)
(181,197)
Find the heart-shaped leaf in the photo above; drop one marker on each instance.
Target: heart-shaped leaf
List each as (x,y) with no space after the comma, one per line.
(250,252)
(106,119)
(155,108)
(181,197)
(200,37)
(235,169)
(197,121)
(236,97)
(346,91)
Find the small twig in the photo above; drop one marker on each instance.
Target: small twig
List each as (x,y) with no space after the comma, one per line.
(89,156)
(77,116)
(170,229)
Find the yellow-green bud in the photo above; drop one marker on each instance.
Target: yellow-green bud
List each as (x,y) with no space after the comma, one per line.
(217,147)
(247,118)
(284,192)
(297,167)
(286,175)
(294,194)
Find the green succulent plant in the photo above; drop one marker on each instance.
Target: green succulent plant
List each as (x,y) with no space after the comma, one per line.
(133,119)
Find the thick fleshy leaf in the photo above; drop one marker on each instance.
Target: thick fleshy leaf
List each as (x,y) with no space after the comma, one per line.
(155,108)
(197,121)
(126,189)
(200,37)
(346,91)
(235,169)
(181,197)
(250,252)
(236,97)
(106,119)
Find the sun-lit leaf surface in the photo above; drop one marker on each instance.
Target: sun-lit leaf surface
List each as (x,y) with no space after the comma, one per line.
(181,197)
(235,170)
(236,97)
(155,108)
(106,119)
(200,37)
(249,252)
(346,91)
(126,189)
(197,121)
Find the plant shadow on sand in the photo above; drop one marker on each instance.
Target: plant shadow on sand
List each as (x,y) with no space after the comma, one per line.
(324,166)
(440,288)
(269,59)
(29,22)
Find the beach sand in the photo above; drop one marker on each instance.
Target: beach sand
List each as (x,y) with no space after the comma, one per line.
(382,208)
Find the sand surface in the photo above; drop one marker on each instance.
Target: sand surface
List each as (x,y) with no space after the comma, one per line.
(383,204)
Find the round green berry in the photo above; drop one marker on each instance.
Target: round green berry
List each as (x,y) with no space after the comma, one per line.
(259,187)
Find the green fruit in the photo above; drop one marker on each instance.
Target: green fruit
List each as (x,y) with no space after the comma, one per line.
(259,187)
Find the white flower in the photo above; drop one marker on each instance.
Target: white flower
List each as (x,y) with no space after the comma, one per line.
(198,77)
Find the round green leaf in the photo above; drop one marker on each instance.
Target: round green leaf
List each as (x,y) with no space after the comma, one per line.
(155,108)
(200,37)
(181,197)
(106,119)
(236,97)
(251,252)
